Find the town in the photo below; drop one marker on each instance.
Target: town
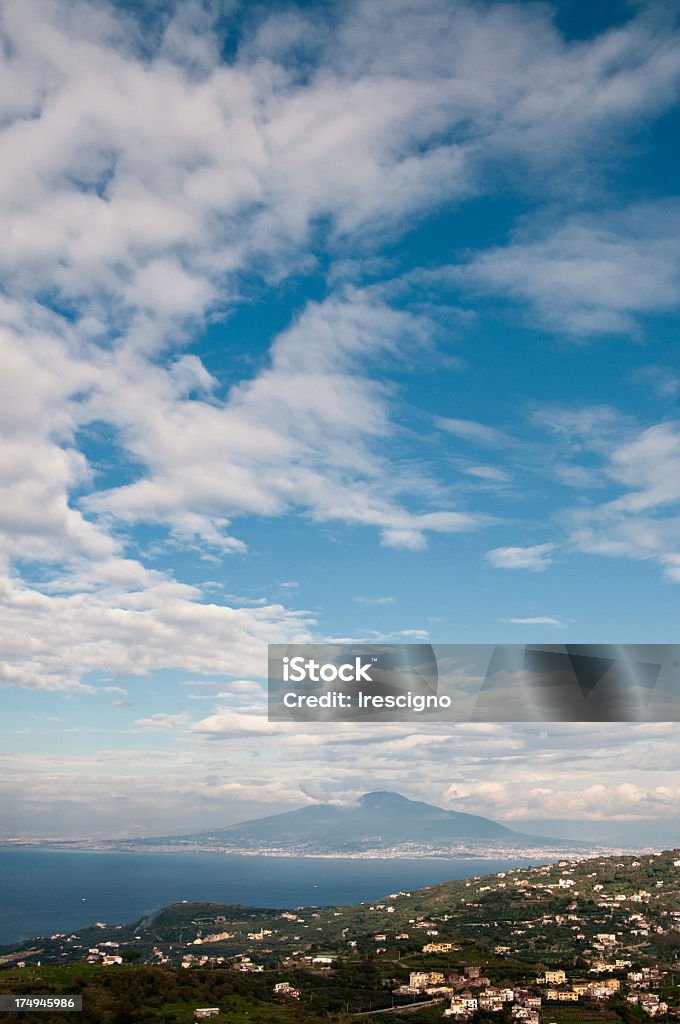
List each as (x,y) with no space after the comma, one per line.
(560,943)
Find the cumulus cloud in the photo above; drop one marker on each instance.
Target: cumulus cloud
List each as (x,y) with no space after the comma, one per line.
(625,801)
(52,641)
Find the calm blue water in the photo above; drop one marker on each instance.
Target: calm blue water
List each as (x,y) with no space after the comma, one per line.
(47,891)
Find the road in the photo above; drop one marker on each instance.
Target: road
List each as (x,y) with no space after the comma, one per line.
(408,1008)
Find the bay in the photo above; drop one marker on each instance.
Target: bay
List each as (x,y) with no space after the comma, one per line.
(46,891)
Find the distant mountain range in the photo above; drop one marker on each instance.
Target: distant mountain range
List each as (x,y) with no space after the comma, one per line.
(379,824)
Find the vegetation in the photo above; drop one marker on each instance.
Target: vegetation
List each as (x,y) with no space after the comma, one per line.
(597,917)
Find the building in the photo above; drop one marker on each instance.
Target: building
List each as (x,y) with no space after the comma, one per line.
(526,1015)
(491,1003)
(553,978)
(284,988)
(462,1006)
(206,1011)
(420,980)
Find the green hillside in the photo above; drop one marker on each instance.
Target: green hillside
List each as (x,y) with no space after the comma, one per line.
(592,918)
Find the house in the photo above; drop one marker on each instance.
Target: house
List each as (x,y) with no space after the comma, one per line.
(206,1011)
(284,988)
(553,978)
(420,980)
(490,1003)
(462,1006)
(526,1015)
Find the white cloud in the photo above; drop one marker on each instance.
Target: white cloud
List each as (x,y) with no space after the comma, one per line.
(244,686)
(160,176)
(471,430)
(650,466)
(663,380)
(536,620)
(623,801)
(160,721)
(643,521)
(52,641)
(305,433)
(598,449)
(489,473)
(535,558)
(590,275)
(232,723)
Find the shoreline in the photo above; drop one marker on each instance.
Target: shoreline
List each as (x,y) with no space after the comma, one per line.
(529,853)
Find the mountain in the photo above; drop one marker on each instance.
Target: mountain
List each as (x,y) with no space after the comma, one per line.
(381,818)
(380,823)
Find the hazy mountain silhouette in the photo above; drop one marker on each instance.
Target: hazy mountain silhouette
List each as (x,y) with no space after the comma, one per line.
(377,819)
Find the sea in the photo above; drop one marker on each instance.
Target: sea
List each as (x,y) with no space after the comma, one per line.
(45,891)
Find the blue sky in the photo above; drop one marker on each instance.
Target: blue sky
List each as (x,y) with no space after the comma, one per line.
(329,320)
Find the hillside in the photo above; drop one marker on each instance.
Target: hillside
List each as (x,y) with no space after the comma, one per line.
(606,926)
(551,913)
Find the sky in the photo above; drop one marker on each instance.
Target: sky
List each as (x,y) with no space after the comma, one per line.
(329,320)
